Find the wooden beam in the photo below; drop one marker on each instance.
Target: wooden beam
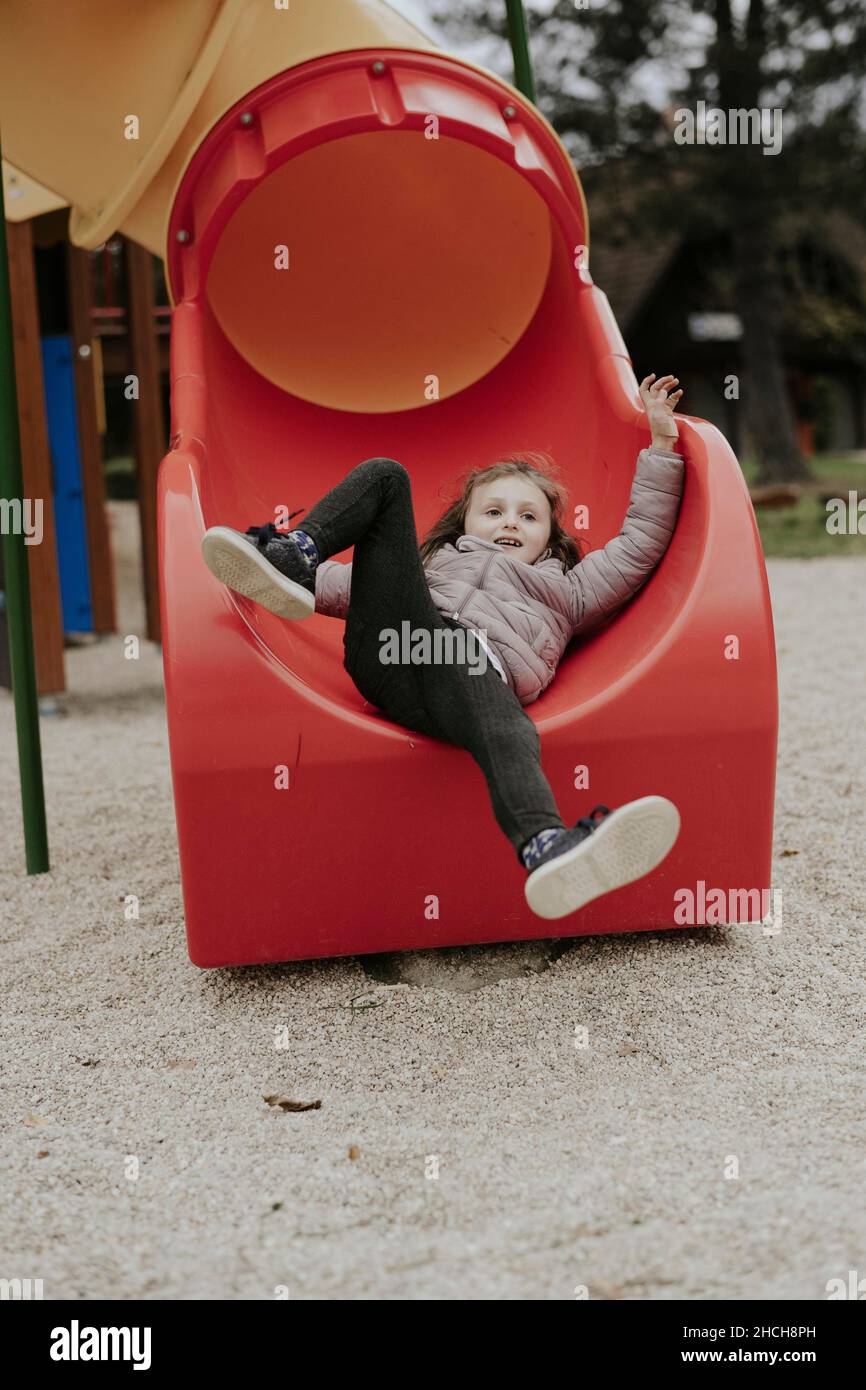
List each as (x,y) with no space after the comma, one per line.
(36,459)
(79,281)
(150,442)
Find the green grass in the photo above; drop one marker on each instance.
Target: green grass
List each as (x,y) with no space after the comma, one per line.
(801,530)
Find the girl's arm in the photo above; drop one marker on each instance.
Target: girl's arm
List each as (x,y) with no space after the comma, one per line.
(333,587)
(606,579)
(660,409)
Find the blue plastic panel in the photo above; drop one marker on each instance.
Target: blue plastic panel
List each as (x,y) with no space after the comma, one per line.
(69,516)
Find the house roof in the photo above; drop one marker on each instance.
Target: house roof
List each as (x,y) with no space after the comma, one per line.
(628,269)
(620,263)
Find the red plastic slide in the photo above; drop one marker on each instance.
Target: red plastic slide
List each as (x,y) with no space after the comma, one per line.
(356,277)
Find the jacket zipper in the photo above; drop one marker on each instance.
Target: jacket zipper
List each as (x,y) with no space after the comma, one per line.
(480,584)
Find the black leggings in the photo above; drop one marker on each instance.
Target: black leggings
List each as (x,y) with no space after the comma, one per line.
(372,510)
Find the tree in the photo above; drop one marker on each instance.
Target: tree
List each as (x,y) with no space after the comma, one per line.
(595,69)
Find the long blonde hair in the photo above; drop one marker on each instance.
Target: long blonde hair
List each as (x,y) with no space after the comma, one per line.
(541,470)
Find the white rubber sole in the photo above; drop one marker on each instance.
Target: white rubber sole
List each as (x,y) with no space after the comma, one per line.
(628,843)
(239,565)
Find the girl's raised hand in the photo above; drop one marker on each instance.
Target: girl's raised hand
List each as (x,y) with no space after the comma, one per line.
(660,406)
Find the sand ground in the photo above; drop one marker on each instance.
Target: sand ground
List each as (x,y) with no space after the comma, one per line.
(708,1143)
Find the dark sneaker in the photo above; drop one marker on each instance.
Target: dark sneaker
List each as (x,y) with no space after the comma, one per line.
(264,565)
(596,856)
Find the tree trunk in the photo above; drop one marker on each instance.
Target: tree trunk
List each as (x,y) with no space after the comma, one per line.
(767,404)
(750,215)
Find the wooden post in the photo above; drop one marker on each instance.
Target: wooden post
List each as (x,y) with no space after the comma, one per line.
(151,443)
(80,293)
(16,583)
(36,459)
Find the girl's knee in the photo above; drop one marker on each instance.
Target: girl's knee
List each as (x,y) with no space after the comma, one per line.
(385,467)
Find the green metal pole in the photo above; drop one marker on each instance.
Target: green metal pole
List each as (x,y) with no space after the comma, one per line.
(17,584)
(520,48)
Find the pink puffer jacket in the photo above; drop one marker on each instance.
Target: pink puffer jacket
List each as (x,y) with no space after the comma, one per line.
(529,613)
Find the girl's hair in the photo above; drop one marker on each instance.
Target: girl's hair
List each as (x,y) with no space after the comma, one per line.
(540,469)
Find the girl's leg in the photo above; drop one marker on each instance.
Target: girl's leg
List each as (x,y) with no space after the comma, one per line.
(372,510)
(481,714)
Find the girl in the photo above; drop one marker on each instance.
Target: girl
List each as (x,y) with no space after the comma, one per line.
(499,566)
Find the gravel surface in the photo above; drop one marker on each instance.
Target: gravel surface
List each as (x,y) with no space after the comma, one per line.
(706,1143)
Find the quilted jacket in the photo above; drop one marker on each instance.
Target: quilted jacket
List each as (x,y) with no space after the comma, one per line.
(529,613)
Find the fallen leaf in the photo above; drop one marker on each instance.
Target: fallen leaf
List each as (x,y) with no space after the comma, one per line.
(285,1104)
(31,1119)
(354,1151)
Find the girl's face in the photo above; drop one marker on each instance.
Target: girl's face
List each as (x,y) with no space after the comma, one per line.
(510,509)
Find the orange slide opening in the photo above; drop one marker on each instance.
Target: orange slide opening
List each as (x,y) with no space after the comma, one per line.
(427,286)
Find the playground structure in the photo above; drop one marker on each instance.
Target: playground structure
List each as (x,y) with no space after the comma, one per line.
(66,345)
(374,247)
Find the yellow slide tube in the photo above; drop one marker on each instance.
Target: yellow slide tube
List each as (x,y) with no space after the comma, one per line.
(104,106)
